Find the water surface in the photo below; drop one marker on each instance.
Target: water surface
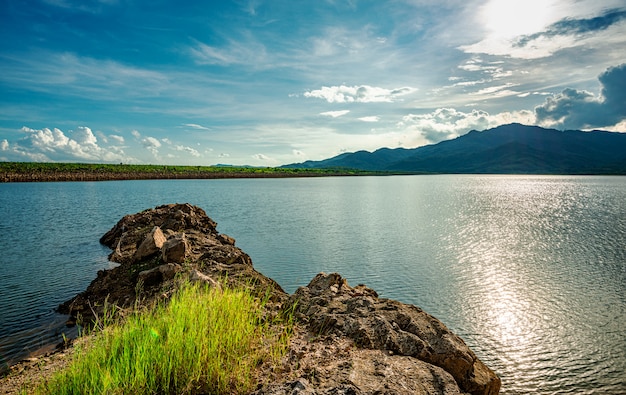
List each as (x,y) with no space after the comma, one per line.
(529,270)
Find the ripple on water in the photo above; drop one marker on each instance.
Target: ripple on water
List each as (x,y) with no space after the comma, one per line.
(529,270)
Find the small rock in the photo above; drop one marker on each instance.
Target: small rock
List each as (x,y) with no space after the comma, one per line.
(151,244)
(175,249)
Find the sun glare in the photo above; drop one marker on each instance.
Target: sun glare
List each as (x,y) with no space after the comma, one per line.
(511,18)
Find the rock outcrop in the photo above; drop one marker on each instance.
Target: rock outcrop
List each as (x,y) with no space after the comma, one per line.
(347,340)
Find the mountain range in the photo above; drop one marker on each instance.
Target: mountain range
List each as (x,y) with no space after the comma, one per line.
(506,149)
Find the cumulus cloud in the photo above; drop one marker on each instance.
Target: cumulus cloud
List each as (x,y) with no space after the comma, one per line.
(446,123)
(579,109)
(189,150)
(151,144)
(334,114)
(117,139)
(85,137)
(358,94)
(55,145)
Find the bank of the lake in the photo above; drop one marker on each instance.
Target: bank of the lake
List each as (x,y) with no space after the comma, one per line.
(46,172)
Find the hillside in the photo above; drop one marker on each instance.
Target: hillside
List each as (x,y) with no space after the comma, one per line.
(507,149)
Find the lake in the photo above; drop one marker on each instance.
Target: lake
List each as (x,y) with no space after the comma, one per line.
(529,270)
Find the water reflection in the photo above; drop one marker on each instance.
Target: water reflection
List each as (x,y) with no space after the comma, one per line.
(517,247)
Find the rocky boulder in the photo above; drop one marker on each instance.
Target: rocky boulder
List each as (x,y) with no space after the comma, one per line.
(396,335)
(346,340)
(152,248)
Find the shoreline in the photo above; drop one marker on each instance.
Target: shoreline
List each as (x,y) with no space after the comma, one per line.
(87,176)
(47,172)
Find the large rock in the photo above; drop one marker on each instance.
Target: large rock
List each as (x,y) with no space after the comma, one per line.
(346,340)
(336,366)
(330,307)
(138,246)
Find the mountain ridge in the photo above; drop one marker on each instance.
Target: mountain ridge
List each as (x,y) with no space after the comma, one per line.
(506,149)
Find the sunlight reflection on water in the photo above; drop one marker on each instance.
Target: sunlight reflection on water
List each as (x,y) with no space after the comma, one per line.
(520,248)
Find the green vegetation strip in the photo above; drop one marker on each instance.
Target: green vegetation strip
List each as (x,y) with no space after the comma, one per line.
(204,341)
(39,171)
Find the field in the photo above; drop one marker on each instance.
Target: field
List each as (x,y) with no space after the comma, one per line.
(36,171)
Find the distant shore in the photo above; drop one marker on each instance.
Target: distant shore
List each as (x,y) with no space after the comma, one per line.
(45,172)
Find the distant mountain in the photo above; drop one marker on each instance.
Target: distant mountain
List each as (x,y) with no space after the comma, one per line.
(506,149)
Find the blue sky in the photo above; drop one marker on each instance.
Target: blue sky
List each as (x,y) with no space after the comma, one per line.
(274,82)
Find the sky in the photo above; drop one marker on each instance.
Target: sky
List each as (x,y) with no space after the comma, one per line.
(267,83)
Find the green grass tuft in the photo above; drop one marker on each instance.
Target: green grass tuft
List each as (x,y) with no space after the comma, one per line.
(203,341)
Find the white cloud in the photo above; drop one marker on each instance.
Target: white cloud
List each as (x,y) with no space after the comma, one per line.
(189,150)
(261,157)
(196,126)
(604,30)
(620,127)
(334,114)
(151,144)
(117,139)
(136,134)
(447,123)
(4,145)
(500,89)
(54,145)
(358,94)
(248,51)
(370,119)
(85,77)
(85,137)
(470,83)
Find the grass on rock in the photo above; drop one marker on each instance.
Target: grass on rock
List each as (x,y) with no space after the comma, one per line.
(203,340)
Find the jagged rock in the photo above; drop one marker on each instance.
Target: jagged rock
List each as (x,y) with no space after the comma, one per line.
(335,365)
(192,238)
(175,249)
(347,340)
(131,230)
(330,306)
(151,244)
